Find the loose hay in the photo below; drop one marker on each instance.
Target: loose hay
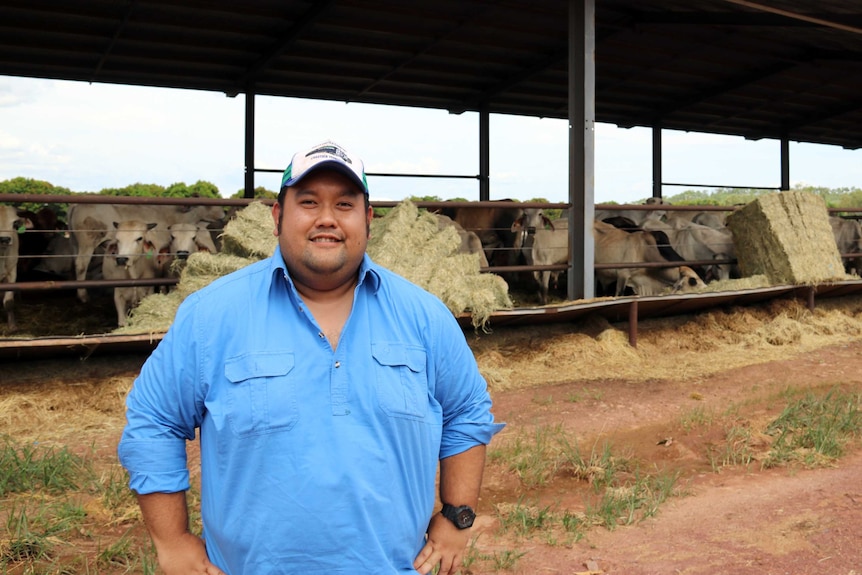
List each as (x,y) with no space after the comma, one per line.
(787,237)
(407,241)
(249,234)
(672,347)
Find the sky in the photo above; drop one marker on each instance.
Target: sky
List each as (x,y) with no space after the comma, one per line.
(87,137)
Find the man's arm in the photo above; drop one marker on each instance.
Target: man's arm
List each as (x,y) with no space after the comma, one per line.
(180,552)
(460,481)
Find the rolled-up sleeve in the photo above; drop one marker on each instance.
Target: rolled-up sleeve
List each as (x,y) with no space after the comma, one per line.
(463,395)
(162,413)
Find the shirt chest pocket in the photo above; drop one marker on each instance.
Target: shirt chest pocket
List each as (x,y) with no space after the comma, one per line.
(261,397)
(401,379)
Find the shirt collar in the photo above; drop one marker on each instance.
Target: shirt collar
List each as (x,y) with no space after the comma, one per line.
(367,271)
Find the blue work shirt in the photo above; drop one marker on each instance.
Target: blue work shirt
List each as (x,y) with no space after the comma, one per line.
(313,460)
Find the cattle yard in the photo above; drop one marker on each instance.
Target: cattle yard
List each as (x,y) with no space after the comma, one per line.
(508,233)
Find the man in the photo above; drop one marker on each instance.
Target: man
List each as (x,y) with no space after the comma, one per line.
(325,390)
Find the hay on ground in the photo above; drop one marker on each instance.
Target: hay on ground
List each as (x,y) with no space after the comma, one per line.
(787,237)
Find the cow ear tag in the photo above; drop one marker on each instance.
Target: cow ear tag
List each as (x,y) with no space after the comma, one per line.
(22,229)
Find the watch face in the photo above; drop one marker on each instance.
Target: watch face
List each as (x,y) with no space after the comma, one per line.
(465,517)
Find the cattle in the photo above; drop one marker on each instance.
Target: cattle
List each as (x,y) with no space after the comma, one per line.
(11,226)
(549,246)
(848,240)
(615,246)
(680,279)
(524,228)
(696,242)
(132,253)
(470,242)
(91,224)
(493,225)
(40,229)
(57,262)
(637,216)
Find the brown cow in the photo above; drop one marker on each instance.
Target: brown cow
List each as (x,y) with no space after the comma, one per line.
(493,226)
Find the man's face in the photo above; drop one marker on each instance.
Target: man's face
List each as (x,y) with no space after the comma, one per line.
(322,230)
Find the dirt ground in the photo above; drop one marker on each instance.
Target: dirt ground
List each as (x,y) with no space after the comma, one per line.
(665,405)
(740,520)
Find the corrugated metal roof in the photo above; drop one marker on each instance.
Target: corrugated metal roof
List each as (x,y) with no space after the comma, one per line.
(761,70)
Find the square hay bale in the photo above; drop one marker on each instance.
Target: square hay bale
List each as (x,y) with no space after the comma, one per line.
(787,237)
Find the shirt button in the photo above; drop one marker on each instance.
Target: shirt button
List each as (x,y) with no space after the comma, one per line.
(337,364)
(321,335)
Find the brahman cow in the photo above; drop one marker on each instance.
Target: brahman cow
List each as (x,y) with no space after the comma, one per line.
(11,226)
(133,253)
(696,242)
(637,216)
(524,228)
(615,246)
(91,224)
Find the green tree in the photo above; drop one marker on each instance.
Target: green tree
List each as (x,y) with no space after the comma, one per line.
(21,185)
(259,192)
(137,190)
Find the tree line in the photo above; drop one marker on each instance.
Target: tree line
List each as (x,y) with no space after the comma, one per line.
(846,197)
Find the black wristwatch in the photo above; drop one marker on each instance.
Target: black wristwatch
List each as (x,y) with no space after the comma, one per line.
(462,516)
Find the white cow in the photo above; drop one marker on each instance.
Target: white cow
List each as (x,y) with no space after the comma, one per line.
(58,259)
(615,246)
(10,227)
(133,253)
(91,224)
(696,242)
(636,216)
(524,228)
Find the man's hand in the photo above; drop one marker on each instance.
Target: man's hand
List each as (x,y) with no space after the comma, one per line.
(445,547)
(186,555)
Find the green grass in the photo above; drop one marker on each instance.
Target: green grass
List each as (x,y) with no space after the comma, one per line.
(814,430)
(42,489)
(533,457)
(30,467)
(632,501)
(736,449)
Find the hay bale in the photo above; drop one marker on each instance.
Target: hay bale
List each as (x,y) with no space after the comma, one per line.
(787,237)
(249,234)
(409,242)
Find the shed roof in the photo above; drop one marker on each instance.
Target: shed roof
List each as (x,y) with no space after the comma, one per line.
(768,69)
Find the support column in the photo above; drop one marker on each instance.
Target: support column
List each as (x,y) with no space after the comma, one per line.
(249,145)
(656,161)
(582,106)
(785,163)
(484,155)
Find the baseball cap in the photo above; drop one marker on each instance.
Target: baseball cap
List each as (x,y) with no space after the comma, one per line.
(326,155)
